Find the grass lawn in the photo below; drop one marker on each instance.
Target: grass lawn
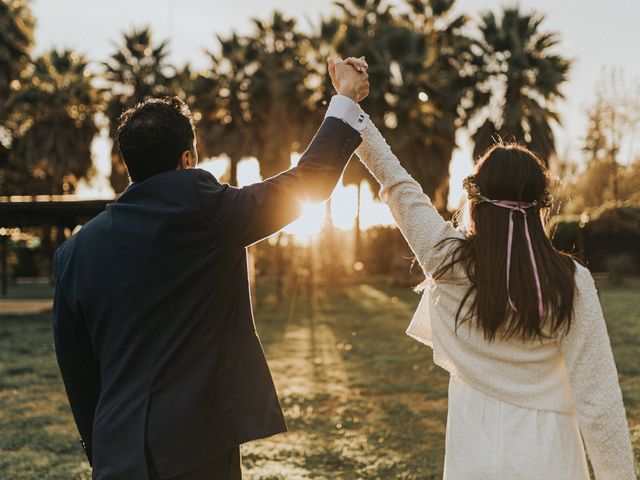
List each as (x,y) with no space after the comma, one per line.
(362,399)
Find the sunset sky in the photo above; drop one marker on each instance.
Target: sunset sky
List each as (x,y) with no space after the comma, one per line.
(595,34)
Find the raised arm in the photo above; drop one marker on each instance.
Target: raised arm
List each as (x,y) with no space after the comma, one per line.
(594,385)
(249,214)
(78,366)
(418,220)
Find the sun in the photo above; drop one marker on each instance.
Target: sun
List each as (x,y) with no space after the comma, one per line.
(344,205)
(310,222)
(344,202)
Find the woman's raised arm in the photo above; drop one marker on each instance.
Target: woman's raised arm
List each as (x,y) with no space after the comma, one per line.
(417,218)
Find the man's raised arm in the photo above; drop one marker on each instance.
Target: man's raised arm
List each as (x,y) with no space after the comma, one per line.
(252,213)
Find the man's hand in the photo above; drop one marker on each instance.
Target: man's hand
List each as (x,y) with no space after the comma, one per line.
(350,78)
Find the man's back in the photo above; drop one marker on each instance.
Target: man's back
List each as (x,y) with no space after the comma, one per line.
(166,302)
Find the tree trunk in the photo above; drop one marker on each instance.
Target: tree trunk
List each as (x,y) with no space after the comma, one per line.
(311,279)
(49,251)
(615,148)
(60,235)
(357,238)
(233,172)
(5,268)
(279,270)
(329,257)
(328,220)
(614,174)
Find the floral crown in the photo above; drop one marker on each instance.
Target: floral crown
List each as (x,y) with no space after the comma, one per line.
(475,195)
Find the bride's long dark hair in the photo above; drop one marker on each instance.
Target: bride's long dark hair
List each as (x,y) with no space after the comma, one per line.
(513,173)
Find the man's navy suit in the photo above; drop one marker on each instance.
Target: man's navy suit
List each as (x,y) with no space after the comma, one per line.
(153,326)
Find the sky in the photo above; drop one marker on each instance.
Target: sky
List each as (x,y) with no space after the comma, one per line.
(595,34)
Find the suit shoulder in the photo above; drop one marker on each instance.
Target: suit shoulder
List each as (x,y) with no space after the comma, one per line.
(204,182)
(202,175)
(66,249)
(63,255)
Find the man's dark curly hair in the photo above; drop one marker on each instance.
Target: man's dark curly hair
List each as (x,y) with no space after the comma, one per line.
(153,135)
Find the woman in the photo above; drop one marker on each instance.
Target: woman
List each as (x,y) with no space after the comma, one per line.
(517,324)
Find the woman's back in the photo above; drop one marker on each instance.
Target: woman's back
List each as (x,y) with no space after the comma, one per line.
(549,382)
(528,373)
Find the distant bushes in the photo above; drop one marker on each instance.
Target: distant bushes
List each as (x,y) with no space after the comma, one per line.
(607,238)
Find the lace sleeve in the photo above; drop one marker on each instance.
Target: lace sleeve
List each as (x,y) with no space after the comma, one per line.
(419,221)
(594,385)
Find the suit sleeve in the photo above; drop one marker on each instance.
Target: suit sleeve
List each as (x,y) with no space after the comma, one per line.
(249,214)
(78,366)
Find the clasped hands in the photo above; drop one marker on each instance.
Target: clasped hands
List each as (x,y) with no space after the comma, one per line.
(349,77)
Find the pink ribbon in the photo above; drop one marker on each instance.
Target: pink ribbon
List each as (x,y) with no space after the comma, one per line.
(520,207)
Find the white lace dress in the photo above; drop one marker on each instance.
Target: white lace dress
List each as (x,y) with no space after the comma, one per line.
(517,410)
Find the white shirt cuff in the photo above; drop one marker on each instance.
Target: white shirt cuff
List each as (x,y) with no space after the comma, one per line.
(345,109)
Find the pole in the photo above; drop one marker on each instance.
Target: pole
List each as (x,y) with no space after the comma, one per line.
(356,230)
(5,270)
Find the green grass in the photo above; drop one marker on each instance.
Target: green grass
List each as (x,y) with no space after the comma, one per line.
(362,399)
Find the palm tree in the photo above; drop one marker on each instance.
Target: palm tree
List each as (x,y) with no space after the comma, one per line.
(281,92)
(52,120)
(222,103)
(16,42)
(254,99)
(421,63)
(522,80)
(15,178)
(136,71)
(445,80)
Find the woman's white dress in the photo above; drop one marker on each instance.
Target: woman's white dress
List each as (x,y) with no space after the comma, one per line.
(488,439)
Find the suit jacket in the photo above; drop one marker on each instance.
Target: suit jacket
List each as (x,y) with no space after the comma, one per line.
(152,320)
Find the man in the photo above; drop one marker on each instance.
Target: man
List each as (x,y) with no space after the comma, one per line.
(152,317)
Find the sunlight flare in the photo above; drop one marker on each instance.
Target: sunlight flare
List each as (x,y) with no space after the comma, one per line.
(310,223)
